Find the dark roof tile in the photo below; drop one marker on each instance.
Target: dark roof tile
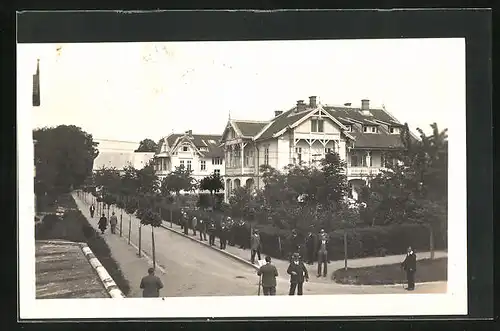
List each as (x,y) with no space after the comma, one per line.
(249,128)
(212,142)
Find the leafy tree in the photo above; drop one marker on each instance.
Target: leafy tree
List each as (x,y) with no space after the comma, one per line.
(178,180)
(147,145)
(64,158)
(212,183)
(147,180)
(149,217)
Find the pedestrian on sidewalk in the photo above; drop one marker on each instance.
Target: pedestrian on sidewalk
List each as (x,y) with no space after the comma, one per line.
(194,225)
(255,245)
(151,285)
(298,273)
(310,243)
(185,223)
(232,232)
(294,244)
(113,220)
(268,272)
(222,235)
(181,220)
(322,253)
(410,266)
(202,228)
(103,223)
(92,210)
(211,232)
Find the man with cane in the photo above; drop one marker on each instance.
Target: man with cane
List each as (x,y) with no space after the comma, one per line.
(267,277)
(410,266)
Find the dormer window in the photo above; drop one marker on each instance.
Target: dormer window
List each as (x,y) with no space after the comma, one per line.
(393,130)
(184,148)
(348,128)
(370,129)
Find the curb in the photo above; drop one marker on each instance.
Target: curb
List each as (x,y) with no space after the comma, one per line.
(108,282)
(235,257)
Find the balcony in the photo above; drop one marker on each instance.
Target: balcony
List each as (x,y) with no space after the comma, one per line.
(240,171)
(363,172)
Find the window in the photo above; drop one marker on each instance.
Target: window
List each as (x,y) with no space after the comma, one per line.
(217,172)
(370,129)
(181,163)
(328,150)
(203,165)
(394,130)
(266,156)
(354,159)
(248,162)
(184,148)
(216,161)
(374,129)
(188,164)
(317,125)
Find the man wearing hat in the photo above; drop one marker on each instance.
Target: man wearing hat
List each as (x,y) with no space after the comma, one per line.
(298,273)
(269,273)
(294,243)
(322,252)
(255,245)
(410,266)
(151,285)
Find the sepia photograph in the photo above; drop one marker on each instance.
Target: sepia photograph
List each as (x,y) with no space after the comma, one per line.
(191,179)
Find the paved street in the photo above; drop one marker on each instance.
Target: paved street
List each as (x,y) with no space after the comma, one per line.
(193,269)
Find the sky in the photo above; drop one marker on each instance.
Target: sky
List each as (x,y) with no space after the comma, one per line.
(132,91)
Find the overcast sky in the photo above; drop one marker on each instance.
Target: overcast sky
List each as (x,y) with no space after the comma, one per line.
(131,91)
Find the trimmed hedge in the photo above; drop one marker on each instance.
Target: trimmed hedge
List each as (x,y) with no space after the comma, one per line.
(361,241)
(75,227)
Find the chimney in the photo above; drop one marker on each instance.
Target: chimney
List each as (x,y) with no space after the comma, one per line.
(312,101)
(277,113)
(301,106)
(189,132)
(365,104)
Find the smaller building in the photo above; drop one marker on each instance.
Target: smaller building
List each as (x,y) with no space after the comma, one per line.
(120,154)
(200,153)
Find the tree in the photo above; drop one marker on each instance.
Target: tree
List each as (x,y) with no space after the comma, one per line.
(149,217)
(147,145)
(212,183)
(64,158)
(178,180)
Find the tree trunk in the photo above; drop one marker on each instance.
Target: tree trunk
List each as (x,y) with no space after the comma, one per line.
(108,212)
(129,227)
(140,233)
(431,241)
(121,222)
(153,245)
(170,216)
(345,249)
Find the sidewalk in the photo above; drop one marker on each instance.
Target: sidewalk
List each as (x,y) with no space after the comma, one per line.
(132,266)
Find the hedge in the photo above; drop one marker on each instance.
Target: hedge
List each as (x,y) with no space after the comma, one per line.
(361,241)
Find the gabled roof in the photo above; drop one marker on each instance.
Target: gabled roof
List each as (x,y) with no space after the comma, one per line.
(210,141)
(249,128)
(279,123)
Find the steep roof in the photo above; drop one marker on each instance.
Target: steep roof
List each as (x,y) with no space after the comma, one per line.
(249,128)
(210,141)
(280,122)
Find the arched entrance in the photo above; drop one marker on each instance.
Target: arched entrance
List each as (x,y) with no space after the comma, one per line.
(237,183)
(249,183)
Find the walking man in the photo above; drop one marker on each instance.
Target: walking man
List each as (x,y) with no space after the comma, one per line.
(185,224)
(202,227)
(151,285)
(223,235)
(194,225)
(268,273)
(322,253)
(298,273)
(113,220)
(410,266)
(92,210)
(103,223)
(255,245)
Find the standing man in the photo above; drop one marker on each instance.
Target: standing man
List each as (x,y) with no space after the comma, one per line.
(255,245)
(211,232)
(194,225)
(151,285)
(294,244)
(181,221)
(223,234)
(185,223)
(298,273)
(202,227)
(268,272)
(92,210)
(410,266)
(103,223)
(322,253)
(113,220)
(309,243)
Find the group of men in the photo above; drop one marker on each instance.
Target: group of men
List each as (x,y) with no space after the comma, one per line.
(103,221)
(313,248)
(297,271)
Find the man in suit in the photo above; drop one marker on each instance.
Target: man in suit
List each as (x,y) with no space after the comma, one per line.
(294,243)
(410,266)
(298,273)
(255,245)
(309,243)
(269,274)
(211,232)
(151,285)
(322,253)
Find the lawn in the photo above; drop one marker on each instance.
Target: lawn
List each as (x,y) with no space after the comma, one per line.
(427,271)
(73,226)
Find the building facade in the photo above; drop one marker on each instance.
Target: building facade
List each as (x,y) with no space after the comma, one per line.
(305,134)
(200,153)
(120,154)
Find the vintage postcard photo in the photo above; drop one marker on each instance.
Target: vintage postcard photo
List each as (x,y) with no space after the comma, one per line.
(198,179)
